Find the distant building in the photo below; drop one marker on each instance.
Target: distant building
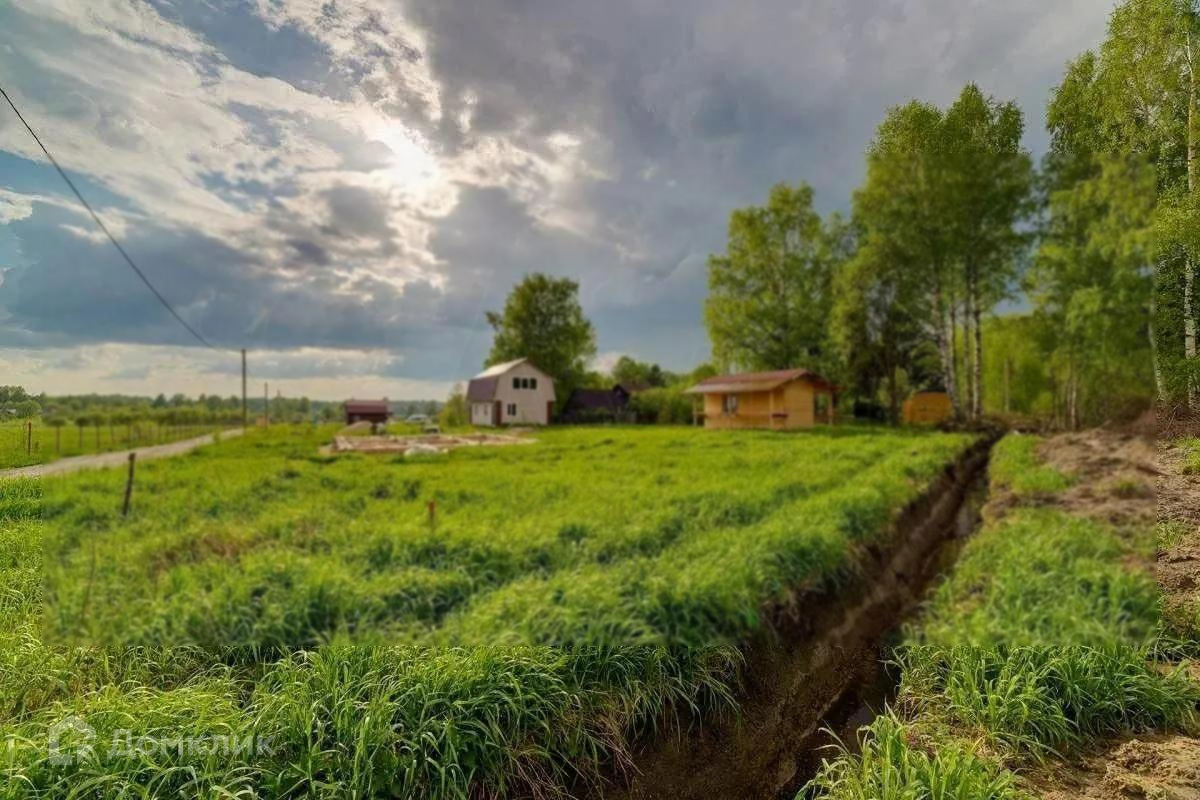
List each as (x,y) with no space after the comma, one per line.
(515,393)
(925,408)
(780,400)
(589,405)
(373,411)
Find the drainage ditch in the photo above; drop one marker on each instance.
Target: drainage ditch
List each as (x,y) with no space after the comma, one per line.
(823,665)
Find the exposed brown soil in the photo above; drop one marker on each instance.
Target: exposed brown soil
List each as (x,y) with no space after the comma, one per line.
(426,443)
(820,645)
(1179,549)
(1151,767)
(1114,474)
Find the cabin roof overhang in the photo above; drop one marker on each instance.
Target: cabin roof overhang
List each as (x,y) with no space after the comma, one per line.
(749,382)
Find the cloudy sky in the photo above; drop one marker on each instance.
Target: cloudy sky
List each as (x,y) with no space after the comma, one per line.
(345,187)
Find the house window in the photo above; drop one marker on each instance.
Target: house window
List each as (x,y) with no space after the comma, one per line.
(512,409)
(533,383)
(730,403)
(516,383)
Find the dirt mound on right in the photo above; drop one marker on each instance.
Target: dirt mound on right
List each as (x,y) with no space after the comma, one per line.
(1179,540)
(1152,767)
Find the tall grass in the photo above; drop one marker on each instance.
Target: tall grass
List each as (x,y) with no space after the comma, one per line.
(569,598)
(1015,467)
(888,767)
(1041,640)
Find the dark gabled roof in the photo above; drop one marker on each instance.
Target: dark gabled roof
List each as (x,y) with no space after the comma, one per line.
(367,407)
(597,399)
(755,382)
(481,390)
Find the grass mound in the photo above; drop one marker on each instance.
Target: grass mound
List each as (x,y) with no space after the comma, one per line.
(1041,640)
(566,599)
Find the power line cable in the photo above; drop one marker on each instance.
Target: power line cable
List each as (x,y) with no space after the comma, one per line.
(102,227)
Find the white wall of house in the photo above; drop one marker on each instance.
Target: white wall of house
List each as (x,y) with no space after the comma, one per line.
(525,394)
(481,414)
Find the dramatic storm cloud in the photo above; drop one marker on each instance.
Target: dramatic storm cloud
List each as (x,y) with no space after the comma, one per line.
(345,188)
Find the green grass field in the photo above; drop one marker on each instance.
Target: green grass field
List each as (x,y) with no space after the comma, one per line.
(567,595)
(1041,640)
(19,449)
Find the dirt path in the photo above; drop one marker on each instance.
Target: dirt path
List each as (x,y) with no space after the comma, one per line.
(1150,766)
(1112,472)
(114,459)
(1179,544)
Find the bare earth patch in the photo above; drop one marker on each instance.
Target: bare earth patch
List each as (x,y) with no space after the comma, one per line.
(1114,475)
(1126,480)
(1179,541)
(1151,767)
(429,443)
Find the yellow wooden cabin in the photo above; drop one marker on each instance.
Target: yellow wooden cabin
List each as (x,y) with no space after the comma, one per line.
(925,408)
(780,400)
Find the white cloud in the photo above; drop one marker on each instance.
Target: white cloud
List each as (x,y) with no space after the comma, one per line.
(14,206)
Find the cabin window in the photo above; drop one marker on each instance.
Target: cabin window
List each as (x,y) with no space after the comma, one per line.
(730,403)
(512,409)
(516,383)
(533,383)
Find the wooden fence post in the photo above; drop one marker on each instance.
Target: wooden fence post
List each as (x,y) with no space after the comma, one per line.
(29,438)
(129,485)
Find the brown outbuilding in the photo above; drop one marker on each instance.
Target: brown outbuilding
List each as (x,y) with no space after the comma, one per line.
(925,408)
(780,400)
(373,411)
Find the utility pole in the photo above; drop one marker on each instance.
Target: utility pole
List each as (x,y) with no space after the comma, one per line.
(266,406)
(245,413)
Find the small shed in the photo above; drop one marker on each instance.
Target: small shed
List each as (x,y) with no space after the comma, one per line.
(779,400)
(925,408)
(373,411)
(513,393)
(584,405)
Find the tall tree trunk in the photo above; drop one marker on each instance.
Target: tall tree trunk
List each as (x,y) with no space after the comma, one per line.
(978,358)
(1160,387)
(945,352)
(1189,265)
(968,365)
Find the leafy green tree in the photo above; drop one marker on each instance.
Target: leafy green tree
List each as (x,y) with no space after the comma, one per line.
(991,178)
(543,321)
(876,323)
(941,202)
(630,372)
(454,413)
(770,292)
(1142,89)
(1090,284)
(1137,95)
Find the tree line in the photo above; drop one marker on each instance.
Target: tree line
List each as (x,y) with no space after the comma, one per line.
(1091,253)
(1063,289)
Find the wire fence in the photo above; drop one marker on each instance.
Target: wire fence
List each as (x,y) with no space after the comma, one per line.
(24,443)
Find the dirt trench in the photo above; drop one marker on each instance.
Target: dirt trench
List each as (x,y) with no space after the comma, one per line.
(820,665)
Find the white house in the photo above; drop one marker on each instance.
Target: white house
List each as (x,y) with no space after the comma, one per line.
(516,393)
